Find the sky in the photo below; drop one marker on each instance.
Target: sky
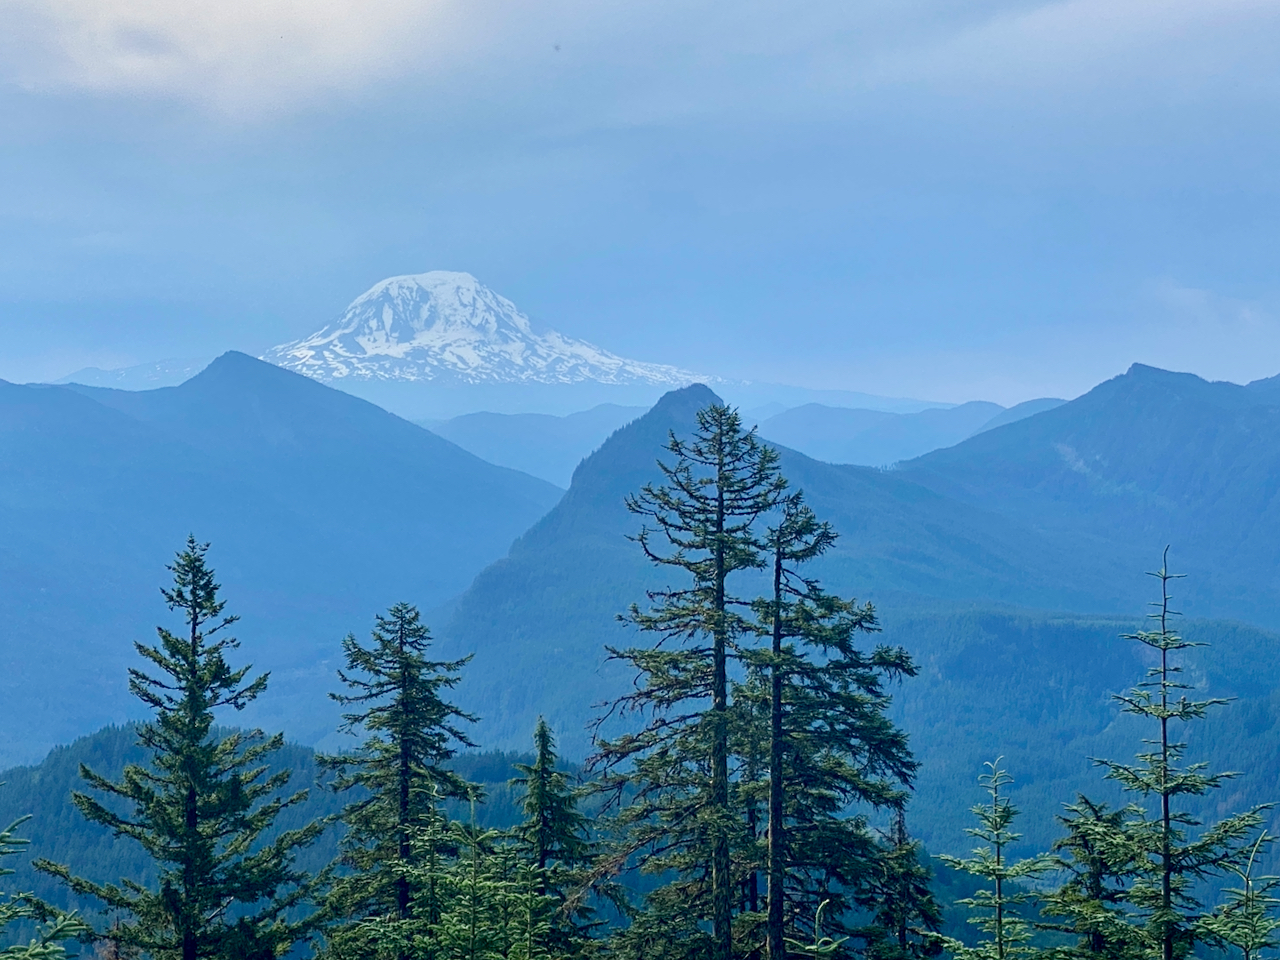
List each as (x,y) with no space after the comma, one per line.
(990,199)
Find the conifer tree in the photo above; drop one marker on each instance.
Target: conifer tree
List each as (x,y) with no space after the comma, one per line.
(1091,902)
(831,747)
(996,909)
(204,805)
(907,917)
(1246,919)
(399,773)
(680,817)
(54,927)
(552,837)
(1169,859)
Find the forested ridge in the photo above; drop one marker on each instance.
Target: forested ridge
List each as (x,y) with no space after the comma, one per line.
(753,793)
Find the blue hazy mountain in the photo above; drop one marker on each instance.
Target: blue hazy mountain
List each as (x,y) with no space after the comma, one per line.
(538,620)
(1145,459)
(874,438)
(1020,411)
(539,444)
(141,376)
(322,510)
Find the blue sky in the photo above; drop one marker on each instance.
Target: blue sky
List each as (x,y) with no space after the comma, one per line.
(993,199)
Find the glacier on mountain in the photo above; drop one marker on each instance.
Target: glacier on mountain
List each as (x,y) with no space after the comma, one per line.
(448,327)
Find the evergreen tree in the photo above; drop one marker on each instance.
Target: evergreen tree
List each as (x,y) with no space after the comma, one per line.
(204,806)
(399,774)
(1168,861)
(996,909)
(1246,920)
(54,928)
(679,817)
(474,925)
(907,917)
(1090,903)
(552,838)
(831,748)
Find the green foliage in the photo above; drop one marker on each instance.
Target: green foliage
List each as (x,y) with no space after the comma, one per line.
(1090,903)
(995,909)
(55,927)
(822,945)
(906,917)
(553,843)
(1246,920)
(813,708)
(399,774)
(201,805)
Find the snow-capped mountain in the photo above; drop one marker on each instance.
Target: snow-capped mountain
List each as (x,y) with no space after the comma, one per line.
(450,328)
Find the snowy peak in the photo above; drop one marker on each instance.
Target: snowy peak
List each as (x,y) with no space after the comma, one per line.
(450,328)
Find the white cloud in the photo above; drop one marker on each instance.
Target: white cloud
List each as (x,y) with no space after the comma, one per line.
(237,55)
(659,56)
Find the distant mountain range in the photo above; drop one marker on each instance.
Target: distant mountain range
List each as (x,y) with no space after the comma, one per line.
(1063,510)
(551,447)
(140,376)
(322,510)
(878,438)
(545,446)
(441,344)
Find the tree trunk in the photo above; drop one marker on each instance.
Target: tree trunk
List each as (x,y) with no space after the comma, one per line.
(776,943)
(721,882)
(404,773)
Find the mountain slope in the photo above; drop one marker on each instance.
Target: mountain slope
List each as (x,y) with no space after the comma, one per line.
(1020,411)
(1146,459)
(58,831)
(322,510)
(448,327)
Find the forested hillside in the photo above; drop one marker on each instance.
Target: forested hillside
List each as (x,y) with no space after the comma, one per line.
(1147,458)
(57,830)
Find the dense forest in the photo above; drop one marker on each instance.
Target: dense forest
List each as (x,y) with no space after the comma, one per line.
(750,795)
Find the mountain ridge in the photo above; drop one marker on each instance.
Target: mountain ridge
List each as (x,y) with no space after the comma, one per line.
(321,508)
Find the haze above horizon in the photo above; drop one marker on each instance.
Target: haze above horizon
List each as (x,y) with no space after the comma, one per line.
(999,200)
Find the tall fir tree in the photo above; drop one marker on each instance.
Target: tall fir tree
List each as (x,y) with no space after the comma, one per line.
(204,807)
(833,753)
(996,909)
(398,771)
(699,522)
(1163,905)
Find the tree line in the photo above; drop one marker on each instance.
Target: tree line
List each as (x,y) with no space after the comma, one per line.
(746,799)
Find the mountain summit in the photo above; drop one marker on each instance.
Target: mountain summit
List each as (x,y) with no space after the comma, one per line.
(450,328)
